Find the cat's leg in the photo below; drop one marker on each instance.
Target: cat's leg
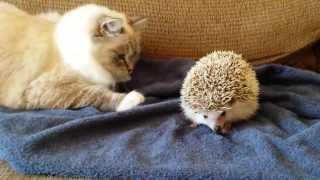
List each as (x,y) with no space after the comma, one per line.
(67,93)
(130,100)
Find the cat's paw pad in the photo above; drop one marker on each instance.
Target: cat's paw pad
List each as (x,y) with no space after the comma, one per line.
(131,100)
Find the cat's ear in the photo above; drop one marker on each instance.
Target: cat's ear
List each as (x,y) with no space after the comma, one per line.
(138,23)
(111,26)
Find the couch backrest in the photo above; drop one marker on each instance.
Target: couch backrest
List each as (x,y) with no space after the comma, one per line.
(261,30)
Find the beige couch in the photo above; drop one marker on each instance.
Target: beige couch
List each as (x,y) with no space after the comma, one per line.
(263,31)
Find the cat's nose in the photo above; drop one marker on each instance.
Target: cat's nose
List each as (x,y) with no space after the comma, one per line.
(130,70)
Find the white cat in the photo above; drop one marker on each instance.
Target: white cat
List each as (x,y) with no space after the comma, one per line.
(68,61)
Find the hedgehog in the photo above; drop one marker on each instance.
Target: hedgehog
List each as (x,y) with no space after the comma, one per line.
(220,89)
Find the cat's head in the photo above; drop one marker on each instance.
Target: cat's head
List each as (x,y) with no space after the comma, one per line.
(101,44)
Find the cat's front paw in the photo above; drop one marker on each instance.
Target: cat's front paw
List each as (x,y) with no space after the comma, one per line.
(131,100)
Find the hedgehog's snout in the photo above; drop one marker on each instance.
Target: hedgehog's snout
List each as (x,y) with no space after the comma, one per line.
(215,116)
(212,119)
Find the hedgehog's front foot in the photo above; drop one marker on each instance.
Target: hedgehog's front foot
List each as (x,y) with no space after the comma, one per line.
(193,125)
(222,126)
(226,128)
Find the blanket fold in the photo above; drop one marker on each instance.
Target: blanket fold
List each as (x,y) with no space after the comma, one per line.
(154,140)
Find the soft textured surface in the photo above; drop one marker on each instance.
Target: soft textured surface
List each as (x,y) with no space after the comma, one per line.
(6,173)
(154,140)
(262,30)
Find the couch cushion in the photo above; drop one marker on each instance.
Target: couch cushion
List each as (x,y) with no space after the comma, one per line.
(262,30)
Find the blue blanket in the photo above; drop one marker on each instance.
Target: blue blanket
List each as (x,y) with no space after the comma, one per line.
(154,140)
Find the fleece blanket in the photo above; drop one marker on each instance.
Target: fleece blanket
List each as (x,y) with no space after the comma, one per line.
(154,140)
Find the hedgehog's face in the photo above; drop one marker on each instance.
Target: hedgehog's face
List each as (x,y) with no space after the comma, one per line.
(220,120)
(210,119)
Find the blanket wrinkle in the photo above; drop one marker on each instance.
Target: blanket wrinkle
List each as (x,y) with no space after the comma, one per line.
(154,140)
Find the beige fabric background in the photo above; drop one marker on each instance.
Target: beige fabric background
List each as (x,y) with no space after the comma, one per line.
(259,29)
(262,30)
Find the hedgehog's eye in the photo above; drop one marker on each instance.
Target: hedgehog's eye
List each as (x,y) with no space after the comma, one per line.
(223,113)
(205,116)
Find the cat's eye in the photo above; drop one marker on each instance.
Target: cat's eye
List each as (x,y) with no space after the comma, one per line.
(205,116)
(135,53)
(121,56)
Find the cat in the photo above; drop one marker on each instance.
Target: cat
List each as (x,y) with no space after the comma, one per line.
(66,61)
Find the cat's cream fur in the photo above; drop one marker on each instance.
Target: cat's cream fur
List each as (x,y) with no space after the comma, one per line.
(53,61)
